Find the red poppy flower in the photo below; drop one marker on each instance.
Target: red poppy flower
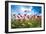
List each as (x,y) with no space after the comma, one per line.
(18,16)
(28,16)
(25,14)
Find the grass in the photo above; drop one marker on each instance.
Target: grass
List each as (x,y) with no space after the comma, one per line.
(25,23)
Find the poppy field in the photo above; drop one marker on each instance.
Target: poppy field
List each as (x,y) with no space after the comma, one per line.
(34,21)
(25,16)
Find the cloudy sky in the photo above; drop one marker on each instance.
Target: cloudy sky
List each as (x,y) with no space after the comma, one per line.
(16,9)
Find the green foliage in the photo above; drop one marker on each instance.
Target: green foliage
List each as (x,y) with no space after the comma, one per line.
(25,23)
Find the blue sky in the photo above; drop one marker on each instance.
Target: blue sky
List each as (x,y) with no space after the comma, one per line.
(30,9)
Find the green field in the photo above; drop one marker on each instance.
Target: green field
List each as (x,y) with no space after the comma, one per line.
(25,23)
